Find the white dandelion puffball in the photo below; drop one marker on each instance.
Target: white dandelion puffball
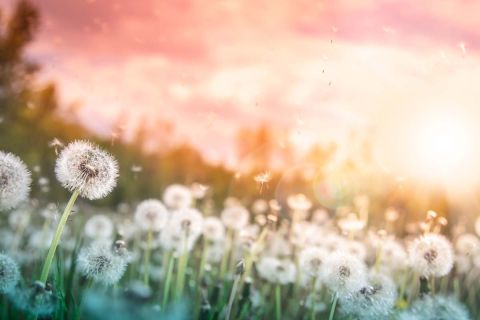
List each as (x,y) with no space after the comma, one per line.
(173,240)
(9,274)
(85,167)
(151,215)
(213,229)
(311,261)
(437,307)
(99,227)
(393,256)
(467,244)
(344,273)
(276,270)
(15,181)
(177,196)
(374,301)
(235,217)
(187,221)
(431,255)
(38,299)
(299,202)
(260,206)
(100,263)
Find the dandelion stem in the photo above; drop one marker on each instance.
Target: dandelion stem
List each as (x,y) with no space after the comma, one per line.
(278,302)
(58,235)
(314,285)
(146,261)
(168,281)
(334,304)
(182,266)
(233,293)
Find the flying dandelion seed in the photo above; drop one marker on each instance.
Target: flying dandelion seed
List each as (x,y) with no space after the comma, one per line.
(56,144)
(262,179)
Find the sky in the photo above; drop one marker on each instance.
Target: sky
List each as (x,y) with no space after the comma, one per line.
(394,70)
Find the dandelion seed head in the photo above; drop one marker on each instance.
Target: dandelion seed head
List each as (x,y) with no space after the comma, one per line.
(437,307)
(260,206)
(173,240)
(9,274)
(344,273)
(187,221)
(299,202)
(431,255)
(40,239)
(375,300)
(467,244)
(213,229)
(151,215)
(235,217)
(38,299)
(198,190)
(177,197)
(99,227)
(15,181)
(83,166)
(311,261)
(276,270)
(99,263)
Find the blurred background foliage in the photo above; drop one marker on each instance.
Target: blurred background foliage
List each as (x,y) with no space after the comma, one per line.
(31,118)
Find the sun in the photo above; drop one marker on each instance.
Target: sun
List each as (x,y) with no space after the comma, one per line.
(441,147)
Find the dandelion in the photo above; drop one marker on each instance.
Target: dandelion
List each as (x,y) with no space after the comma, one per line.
(85,170)
(435,308)
(235,217)
(467,244)
(276,270)
(187,221)
(99,227)
(15,181)
(260,206)
(198,190)
(101,264)
(431,255)
(9,274)
(213,229)
(299,202)
(38,299)
(151,215)
(374,301)
(280,272)
(177,197)
(311,261)
(344,274)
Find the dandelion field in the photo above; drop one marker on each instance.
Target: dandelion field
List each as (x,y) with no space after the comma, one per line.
(108,212)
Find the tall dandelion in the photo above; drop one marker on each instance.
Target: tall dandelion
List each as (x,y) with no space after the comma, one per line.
(431,256)
(150,216)
(343,274)
(85,170)
(102,263)
(15,181)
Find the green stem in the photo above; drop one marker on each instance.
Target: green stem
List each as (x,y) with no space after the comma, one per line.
(278,302)
(168,281)
(314,284)
(182,266)
(334,304)
(233,293)
(58,235)
(146,258)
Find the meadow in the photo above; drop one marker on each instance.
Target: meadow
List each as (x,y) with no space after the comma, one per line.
(178,258)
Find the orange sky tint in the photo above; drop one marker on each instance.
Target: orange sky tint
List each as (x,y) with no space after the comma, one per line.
(318,68)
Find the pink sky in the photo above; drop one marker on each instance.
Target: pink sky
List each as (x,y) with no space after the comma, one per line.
(317,68)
